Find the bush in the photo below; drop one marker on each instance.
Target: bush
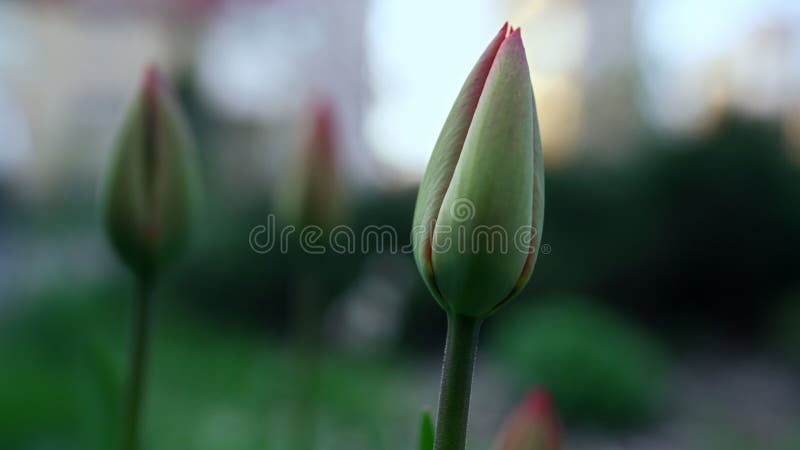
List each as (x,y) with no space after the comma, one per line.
(601,369)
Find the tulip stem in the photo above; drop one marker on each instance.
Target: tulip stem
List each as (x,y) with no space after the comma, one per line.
(460,351)
(139,333)
(307,328)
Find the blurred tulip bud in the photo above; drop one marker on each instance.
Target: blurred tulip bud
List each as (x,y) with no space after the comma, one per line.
(533,426)
(479,212)
(149,193)
(311,193)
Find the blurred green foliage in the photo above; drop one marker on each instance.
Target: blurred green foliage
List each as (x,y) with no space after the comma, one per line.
(697,237)
(600,368)
(58,377)
(210,385)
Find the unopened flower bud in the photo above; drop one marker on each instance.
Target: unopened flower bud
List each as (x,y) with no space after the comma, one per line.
(148,195)
(311,192)
(479,212)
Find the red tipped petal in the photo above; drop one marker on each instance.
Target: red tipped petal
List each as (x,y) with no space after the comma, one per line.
(513,45)
(481,70)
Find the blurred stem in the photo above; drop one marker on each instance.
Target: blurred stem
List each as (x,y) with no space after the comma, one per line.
(137,365)
(459,360)
(307,317)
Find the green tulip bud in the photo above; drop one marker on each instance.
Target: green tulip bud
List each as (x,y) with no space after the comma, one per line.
(148,196)
(485,176)
(311,191)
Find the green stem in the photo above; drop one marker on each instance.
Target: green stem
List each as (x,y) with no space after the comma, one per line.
(307,336)
(459,360)
(140,330)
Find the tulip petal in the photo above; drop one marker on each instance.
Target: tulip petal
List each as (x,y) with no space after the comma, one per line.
(445,157)
(490,176)
(538,211)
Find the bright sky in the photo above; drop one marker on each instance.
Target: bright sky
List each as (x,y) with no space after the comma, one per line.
(695,53)
(688,32)
(420,51)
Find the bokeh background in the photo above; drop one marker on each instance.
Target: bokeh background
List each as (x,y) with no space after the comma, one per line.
(664,312)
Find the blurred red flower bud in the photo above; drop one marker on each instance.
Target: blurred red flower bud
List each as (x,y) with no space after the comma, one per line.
(312,191)
(149,195)
(533,426)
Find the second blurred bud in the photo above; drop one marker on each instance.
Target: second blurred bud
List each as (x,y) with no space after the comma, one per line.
(533,426)
(311,191)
